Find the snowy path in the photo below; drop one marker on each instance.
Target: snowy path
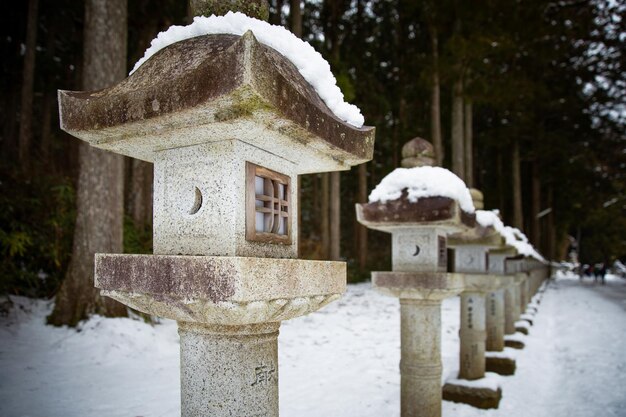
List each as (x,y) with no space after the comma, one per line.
(339,362)
(574,363)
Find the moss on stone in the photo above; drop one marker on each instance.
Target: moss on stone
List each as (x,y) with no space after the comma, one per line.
(245,103)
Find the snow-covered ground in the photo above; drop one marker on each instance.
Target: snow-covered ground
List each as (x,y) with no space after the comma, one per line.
(339,362)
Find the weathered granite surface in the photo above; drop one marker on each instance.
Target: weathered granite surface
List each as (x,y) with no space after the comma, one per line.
(501,366)
(220,290)
(418,285)
(484,398)
(181,97)
(432,211)
(229,371)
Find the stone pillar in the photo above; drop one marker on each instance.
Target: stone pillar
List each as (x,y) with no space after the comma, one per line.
(495,321)
(481,309)
(229,370)
(472,335)
(516,300)
(420,364)
(522,293)
(509,309)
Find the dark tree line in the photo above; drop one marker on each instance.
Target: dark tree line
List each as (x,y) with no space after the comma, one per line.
(524,100)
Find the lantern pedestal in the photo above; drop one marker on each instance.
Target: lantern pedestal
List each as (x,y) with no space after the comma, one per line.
(229,370)
(497,359)
(509,309)
(495,320)
(229,311)
(420,297)
(501,362)
(472,387)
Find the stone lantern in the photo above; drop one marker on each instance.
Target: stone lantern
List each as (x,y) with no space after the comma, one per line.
(517,265)
(497,358)
(482,314)
(419,279)
(229,124)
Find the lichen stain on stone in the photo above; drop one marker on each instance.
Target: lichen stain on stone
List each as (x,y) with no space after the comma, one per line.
(165,275)
(245,103)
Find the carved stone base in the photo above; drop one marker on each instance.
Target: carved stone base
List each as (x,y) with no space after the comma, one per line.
(527,318)
(501,366)
(513,343)
(521,329)
(522,326)
(480,397)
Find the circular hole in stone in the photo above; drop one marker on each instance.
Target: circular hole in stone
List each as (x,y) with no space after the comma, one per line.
(197,203)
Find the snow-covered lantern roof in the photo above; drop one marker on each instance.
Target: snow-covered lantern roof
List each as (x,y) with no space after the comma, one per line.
(419,206)
(231,110)
(419,195)
(219,87)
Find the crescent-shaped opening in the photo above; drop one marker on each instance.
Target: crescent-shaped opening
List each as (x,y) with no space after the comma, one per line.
(197,203)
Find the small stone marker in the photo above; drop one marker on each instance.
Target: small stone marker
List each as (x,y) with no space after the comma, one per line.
(229,124)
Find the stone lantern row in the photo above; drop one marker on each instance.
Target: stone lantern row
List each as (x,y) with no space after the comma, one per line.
(440,251)
(229,124)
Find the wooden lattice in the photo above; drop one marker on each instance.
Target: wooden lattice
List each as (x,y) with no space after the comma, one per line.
(268,212)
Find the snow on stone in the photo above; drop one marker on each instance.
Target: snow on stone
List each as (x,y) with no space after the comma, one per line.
(512,236)
(516,337)
(522,324)
(491,381)
(507,353)
(310,63)
(528,317)
(421,182)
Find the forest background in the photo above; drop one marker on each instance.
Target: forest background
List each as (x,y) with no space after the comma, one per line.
(525,100)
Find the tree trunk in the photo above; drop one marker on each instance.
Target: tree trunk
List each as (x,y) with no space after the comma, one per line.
(46,127)
(536,206)
(332,33)
(277,18)
(500,175)
(335,216)
(362,230)
(435,104)
(518,216)
(140,193)
(469,144)
(49,105)
(295,14)
(551,230)
(325,217)
(28,81)
(100,194)
(296,17)
(458,153)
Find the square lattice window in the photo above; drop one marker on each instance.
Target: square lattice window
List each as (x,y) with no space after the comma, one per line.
(268,209)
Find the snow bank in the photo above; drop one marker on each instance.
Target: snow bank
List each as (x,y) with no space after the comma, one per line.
(512,236)
(423,182)
(309,62)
